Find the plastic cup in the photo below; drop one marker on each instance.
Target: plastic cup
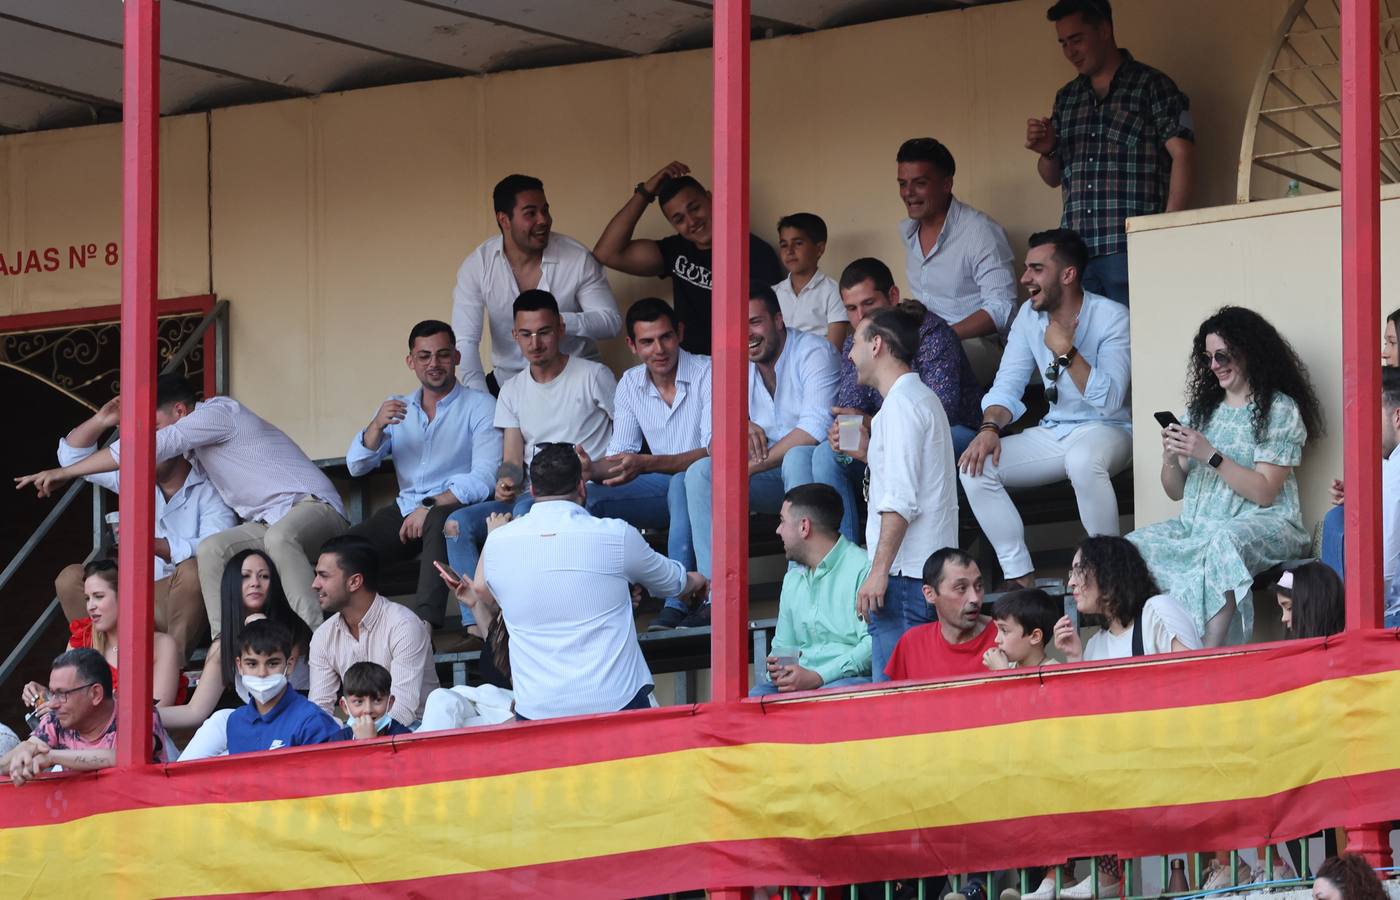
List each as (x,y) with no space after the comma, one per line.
(112,519)
(848,432)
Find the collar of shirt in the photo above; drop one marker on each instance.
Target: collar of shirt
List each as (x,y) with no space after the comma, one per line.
(687,372)
(548,260)
(833,559)
(818,278)
(910,227)
(278,708)
(182,493)
(416,398)
(368,623)
(1085,86)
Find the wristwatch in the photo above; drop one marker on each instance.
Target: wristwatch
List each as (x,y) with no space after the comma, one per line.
(1215,460)
(429,502)
(641,188)
(1064,361)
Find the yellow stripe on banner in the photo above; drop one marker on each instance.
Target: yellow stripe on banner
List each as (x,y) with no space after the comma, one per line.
(1220,752)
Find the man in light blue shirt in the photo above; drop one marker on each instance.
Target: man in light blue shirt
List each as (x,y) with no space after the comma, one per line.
(445,451)
(661,402)
(792,386)
(1077,344)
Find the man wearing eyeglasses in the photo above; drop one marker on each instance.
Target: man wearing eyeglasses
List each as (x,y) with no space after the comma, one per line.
(446,450)
(1077,343)
(1120,141)
(78,730)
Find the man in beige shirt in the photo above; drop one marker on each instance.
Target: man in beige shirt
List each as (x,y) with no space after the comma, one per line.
(361,625)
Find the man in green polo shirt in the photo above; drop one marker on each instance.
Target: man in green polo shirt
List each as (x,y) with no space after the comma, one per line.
(817,621)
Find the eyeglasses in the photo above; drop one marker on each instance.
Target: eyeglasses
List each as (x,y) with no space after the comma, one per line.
(58,697)
(1052,375)
(1219,357)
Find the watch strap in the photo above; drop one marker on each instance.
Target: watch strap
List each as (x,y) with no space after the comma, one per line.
(641,188)
(1215,460)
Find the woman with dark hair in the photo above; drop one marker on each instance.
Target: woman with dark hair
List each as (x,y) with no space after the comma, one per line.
(250,589)
(1312,599)
(1109,578)
(1390,346)
(1347,877)
(1250,409)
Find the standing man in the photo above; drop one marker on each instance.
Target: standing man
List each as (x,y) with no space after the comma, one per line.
(1076,342)
(684,257)
(1120,142)
(526,255)
(659,403)
(289,507)
(867,286)
(792,382)
(560,578)
(446,451)
(913,482)
(959,260)
(188,510)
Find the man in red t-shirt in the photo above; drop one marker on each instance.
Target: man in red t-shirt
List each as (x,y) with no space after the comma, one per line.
(954,644)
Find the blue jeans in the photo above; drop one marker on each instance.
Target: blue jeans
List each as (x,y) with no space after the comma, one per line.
(904,608)
(464,550)
(766,491)
(651,500)
(1333,534)
(765,687)
(1108,275)
(847,479)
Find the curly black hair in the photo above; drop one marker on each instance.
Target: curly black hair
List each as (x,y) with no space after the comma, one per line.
(1354,878)
(1118,569)
(1270,363)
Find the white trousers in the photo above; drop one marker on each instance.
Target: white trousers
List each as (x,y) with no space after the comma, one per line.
(1088,456)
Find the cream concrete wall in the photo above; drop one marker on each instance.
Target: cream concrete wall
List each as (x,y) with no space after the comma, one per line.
(1281,258)
(340,220)
(63,188)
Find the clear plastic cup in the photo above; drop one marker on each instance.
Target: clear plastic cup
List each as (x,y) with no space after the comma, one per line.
(848,432)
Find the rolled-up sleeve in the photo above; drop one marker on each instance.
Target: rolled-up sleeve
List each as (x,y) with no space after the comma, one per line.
(642,565)
(1107,387)
(68,454)
(598,317)
(819,370)
(468,318)
(1017,367)
(359,459)
(487,446)
(899,476)
(204,426)
(994,272)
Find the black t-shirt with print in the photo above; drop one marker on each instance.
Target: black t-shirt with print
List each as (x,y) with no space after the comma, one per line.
(688,267)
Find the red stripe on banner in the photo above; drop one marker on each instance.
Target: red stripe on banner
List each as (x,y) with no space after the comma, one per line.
(982,847)
(506,749)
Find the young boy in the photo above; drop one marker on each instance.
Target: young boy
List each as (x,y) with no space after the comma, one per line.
(366,701)
(810,299)
(1025,621)
(275,715)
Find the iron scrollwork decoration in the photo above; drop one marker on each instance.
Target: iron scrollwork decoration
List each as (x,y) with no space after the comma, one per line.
(83,361)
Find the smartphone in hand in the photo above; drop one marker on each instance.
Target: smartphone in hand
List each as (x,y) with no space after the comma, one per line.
(1166,418)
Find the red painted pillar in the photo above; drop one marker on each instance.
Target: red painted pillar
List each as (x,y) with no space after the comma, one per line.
(140,169)
(729,290)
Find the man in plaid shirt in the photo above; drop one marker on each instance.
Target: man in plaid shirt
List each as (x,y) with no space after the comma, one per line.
(1120,142)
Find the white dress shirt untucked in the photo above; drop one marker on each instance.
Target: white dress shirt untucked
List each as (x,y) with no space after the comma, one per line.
(969,267)
(640,413)
(805,378)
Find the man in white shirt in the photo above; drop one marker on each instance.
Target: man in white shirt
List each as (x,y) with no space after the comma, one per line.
(792,384)
(558,399)
(1333,524)
(1077,344)
(289,507)
(659,403)
(959,260)
(446,451)
(913,482)
(560,578)
(188,510)
(526,255)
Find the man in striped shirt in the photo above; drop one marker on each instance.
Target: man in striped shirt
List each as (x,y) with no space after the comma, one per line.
(658,408)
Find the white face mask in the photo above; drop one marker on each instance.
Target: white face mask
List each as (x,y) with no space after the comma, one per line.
(265,687)
(382,722)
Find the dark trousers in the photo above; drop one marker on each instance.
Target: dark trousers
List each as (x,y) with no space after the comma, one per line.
(382,530)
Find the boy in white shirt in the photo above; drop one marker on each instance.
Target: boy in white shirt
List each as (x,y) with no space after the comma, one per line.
(810,299)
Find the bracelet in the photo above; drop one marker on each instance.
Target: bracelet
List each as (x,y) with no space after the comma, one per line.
(989,425)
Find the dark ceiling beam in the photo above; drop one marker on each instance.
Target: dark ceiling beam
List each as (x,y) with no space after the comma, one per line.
(213,70)
(324,36)
(62,93)
(567,38)
(757,20)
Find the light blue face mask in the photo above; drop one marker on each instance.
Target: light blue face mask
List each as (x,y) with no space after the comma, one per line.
(382,723)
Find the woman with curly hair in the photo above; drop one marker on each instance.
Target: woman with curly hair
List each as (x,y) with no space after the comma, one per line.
(1250,409)
(1347,877)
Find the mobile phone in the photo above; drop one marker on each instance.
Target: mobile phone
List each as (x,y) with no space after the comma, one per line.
(1166,418)
(447,570)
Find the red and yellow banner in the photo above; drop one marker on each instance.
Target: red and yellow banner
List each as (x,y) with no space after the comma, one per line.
(1226,750)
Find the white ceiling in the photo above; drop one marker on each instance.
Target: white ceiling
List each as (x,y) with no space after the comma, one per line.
(60,62)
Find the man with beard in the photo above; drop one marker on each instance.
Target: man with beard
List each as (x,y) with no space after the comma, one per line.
(1077,343)
(363,625)
(525,256)
(446,451)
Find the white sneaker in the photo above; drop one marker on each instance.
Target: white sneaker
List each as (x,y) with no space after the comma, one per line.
(1084,890)
(1046,891)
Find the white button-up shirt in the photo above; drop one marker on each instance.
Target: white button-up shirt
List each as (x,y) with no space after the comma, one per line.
(193,512)
(815,307)
(254,466)
(912,473)
(459,450)
(1101,337)
(486,289)
(805,388)
(561,579)
(669,429)
(969,267)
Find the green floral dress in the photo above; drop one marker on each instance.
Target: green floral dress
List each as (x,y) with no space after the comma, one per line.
(1221,540)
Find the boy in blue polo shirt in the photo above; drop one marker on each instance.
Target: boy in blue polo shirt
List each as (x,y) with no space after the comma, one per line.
(366,700)
(275,715)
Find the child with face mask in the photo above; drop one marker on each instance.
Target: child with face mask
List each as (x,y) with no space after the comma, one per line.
(275,716)
(366,700)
